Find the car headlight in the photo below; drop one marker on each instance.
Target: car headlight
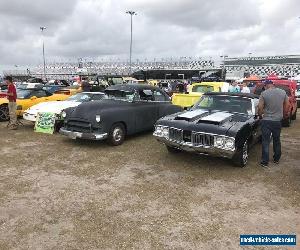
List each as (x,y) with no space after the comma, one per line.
(219,142)
(98,118)
(165,132)
(63,114)
(158,130)
(229,143)
(162,131)
(224,142)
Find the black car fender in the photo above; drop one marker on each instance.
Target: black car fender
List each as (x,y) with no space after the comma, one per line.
(243,134)
(168,109)
(112,116)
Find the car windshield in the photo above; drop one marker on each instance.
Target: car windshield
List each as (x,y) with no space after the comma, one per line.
(120,95)
(235,104)
(202,88)
(82,97)
(23,93)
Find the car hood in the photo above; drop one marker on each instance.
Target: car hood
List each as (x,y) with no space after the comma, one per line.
(88,110)
(53,106)
(206,121)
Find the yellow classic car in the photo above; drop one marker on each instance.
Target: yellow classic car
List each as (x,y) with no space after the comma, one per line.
(195,91)
(27,98)
(69,91)
(153,82)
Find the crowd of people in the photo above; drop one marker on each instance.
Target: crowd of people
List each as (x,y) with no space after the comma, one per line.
(236,88)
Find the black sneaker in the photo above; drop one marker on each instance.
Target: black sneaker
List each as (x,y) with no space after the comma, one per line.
(276,162)
(264,165)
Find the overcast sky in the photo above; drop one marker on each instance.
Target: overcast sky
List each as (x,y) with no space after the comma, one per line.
(162,28)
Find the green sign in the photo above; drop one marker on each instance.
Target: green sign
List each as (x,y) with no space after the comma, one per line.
(45,123)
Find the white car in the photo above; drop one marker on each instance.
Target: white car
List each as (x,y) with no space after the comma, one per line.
(58,106)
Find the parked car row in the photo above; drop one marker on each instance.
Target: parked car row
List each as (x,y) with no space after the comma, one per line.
(219,124)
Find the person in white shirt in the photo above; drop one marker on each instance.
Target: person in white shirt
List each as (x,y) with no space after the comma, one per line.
(225,87)
(245,88)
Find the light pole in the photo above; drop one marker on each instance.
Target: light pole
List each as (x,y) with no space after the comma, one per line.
(223,68)
(42,30)
(249,59)
(131,13)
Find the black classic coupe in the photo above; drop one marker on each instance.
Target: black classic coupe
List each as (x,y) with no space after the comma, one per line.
(128,109)
(220,124)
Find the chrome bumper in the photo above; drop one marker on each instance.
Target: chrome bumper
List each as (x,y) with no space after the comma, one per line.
(218,152)
(29,117)
(87,136)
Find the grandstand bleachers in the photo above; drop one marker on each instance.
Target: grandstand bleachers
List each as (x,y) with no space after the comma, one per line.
(287,66)
(122,68)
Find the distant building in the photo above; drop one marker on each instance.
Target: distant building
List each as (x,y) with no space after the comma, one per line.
(286,65)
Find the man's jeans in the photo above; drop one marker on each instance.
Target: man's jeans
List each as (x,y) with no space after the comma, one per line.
(269,128)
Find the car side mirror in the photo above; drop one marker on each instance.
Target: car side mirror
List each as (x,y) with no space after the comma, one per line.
(33,98)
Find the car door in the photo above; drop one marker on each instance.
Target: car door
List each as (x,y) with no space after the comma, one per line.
(145,110)
(163,103)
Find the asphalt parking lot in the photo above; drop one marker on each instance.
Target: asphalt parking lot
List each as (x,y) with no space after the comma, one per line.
(56,193)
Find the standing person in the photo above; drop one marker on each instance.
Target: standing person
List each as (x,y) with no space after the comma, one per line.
(12,106)
(273,103)
(245,88)
(234,88)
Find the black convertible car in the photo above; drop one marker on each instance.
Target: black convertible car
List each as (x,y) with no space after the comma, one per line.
(220,124)
(128,109)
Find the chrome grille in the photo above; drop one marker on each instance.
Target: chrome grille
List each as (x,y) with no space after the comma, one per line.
(175,134)
(199,139)
(79,126)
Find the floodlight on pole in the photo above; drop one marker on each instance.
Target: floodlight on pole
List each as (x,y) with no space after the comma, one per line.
(44,60)
(131,13)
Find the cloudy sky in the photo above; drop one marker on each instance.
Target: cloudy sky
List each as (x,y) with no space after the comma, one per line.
(162,28)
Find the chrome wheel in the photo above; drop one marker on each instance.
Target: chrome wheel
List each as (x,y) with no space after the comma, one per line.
(118,134)
(245,154)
